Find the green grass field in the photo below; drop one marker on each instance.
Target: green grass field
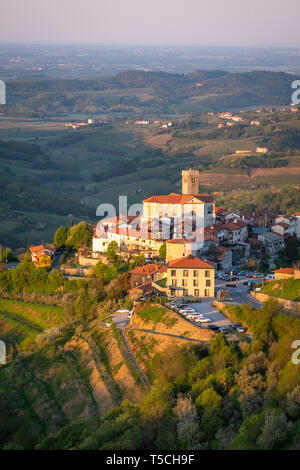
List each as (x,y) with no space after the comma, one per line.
(21,322)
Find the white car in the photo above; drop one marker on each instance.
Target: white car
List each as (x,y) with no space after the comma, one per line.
(241,329)
(270,277)
(123,310)
(186,310)
(202,320)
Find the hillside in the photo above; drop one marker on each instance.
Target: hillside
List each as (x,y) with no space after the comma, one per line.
(75,379)
(194,92)
(155,329)
(60,372)
(51,174)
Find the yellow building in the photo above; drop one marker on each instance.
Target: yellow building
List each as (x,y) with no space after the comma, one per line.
(286,273)
(191,277)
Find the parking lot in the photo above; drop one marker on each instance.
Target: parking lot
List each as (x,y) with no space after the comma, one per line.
(240,294)
(210,312)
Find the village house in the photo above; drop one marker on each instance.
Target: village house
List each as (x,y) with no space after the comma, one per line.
(282,229)
(262,150)
(226,115)
(191,277)
(237,231)
(286,273)
(43,254)
(147,273)
(289,223)
(272,242)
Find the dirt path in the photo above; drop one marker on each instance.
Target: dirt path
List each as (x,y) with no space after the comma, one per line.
(170,335)
(130,356)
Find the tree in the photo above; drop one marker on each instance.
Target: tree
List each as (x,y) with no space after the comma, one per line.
(290,249)
(275,431)
(80,236)
(6,255)
(251,264)
(60,236)
(209,400)
(293,403)
(112,251)
(187,423)
(163,251)
(105,273)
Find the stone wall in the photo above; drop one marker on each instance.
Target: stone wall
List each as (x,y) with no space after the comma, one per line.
(89,261)
(288,304)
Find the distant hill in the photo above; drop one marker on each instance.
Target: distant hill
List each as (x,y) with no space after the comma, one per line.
(218,89)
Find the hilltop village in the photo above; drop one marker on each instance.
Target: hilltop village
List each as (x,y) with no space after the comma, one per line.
(185,240)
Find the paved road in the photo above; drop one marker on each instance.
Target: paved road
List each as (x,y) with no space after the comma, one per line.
(240,294)
(120,319)
(245,298)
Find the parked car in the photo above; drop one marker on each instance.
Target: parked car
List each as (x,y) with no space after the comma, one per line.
(236,325)
(123,310)
(203,320)
(241,329)
(270,277)
(185,311)
(223,329)
(213,327)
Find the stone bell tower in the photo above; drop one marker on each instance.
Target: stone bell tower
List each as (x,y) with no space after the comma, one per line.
(190,182)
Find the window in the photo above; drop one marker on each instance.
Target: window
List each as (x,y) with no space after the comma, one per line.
(207,273)
(185,292)
(173,272)
(185,273)
(206,293)
(184,282)
(196,282)
(196,273)
(208,283)
(196,293)
(174,282)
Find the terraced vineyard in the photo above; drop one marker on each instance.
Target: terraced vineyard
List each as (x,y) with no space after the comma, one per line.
(60,372)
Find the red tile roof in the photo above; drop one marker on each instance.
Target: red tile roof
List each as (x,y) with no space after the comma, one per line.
(234,226)
(189,262)
(285,271)
(163,269)
(34,249)
(148,269)
(174,198)
(179,241)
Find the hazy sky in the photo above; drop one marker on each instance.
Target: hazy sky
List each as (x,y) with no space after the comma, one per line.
(186,22)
